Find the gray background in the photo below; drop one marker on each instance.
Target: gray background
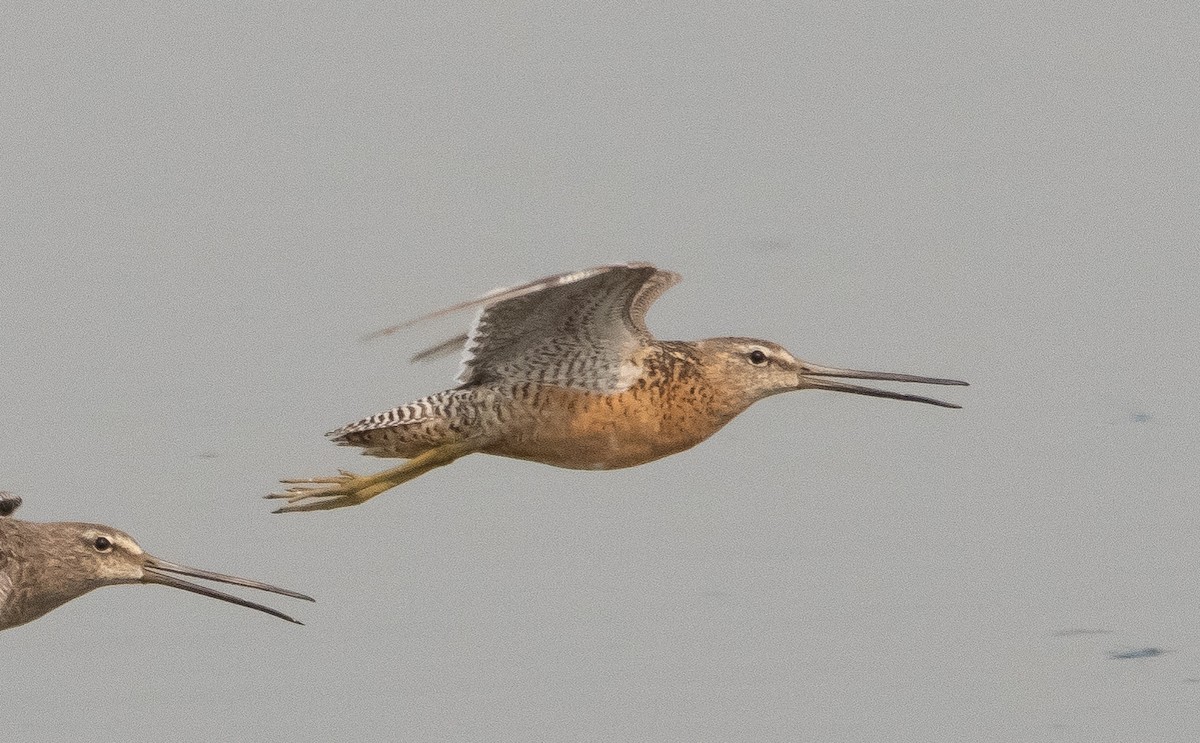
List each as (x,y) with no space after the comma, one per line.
(204,208)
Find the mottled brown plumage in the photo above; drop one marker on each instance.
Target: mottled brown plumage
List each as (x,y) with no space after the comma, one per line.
(43,566)
(563,371)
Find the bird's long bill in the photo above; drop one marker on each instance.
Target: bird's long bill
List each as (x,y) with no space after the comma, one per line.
(812,376)
(161,572)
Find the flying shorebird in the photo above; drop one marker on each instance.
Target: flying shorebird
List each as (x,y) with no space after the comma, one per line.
(563,371)
(43,566)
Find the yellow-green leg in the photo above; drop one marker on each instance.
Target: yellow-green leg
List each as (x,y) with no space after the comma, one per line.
(348,489)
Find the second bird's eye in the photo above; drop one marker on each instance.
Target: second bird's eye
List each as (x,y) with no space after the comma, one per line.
(757,357)
(102,544)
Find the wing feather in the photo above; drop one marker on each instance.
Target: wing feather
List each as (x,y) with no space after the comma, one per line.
(575,330)
(8,503)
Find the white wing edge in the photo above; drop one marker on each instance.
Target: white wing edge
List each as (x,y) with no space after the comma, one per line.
(499,295)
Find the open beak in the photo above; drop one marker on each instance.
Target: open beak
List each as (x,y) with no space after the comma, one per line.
(812,377)
(162,572)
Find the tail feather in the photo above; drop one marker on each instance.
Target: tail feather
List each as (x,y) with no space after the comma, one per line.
(409,429)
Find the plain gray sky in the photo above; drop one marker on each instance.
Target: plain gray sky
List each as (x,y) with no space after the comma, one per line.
(205,207)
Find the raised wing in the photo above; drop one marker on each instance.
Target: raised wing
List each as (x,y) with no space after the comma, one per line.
(575,330)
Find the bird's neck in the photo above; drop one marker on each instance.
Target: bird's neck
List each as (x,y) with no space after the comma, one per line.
(690,383)
(38,579)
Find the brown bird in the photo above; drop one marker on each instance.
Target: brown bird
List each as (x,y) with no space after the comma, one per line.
(43,566)
(563,371)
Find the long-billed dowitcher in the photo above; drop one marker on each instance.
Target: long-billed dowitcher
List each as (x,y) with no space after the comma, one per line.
(563,371)
(43,566)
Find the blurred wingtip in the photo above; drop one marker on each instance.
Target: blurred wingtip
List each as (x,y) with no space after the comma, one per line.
(445,348)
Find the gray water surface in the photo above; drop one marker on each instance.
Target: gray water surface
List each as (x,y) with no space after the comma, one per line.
(205,208)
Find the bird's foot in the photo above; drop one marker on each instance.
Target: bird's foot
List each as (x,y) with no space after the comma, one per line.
(341,490)
(349,489)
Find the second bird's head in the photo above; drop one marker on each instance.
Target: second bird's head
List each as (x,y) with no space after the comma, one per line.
(76,558)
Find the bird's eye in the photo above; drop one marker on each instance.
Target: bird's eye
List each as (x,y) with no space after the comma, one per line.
(102,544)
(757,357)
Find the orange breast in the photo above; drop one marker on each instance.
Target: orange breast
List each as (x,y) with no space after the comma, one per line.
(583,430)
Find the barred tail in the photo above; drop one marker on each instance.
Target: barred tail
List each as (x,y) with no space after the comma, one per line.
(410,429)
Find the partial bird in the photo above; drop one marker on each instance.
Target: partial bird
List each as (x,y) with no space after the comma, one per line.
(43,566)
(563,371)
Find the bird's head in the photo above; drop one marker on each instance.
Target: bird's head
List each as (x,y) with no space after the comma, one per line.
(75,558)
(102,555)
(750,369)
